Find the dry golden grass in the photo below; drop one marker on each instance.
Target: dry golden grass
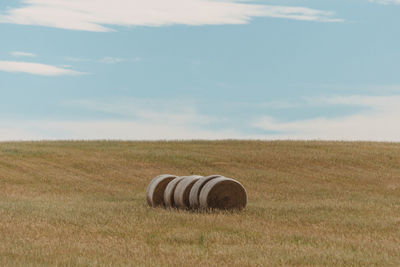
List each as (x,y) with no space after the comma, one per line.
(310,203)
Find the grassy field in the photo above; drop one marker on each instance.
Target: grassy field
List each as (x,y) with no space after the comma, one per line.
(310,203)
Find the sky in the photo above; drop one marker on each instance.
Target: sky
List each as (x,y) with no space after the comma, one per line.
(200,69)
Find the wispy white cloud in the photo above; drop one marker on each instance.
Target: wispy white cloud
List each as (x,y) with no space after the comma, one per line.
(141,119)
(98,15)
(136,119)
(77,59)
(386,2)
(35,68)
(106,60)
(111,60)
(22,54)
(378,121)
(106,129)
(180,112)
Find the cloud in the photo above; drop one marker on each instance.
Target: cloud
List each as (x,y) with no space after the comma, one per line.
(378,121)
(180,112)
(22,54)
(134,119)
(77,59)
(106,60)
(105,129)
(97,15)
(386,2)
(111,60)
(35,68)
(149,119)
(131,119)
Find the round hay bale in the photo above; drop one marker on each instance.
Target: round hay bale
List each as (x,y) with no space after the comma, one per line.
(182,191)
(155,189)
(223,193)
(196,189)
(169,191)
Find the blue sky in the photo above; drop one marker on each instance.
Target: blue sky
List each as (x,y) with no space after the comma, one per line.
(197,69)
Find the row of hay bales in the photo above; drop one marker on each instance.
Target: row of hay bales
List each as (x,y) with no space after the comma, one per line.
(196,192)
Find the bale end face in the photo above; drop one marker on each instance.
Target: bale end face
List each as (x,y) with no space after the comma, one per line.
(223,193)
(196,189)
(155,189)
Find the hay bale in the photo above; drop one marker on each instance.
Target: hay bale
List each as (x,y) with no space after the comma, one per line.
(196,189)
(155,189)
(169,191)
(182,191)
(223,193)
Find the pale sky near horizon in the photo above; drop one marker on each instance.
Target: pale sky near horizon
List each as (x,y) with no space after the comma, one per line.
(200,69)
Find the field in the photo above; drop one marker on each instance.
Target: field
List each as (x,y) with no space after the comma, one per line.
(310,203)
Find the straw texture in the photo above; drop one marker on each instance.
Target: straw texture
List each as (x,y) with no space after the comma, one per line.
(195,191)
(223,193)
(155,189)
(182,191)
(169,191)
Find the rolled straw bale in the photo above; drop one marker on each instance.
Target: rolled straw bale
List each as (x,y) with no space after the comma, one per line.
(169,191)
(223,193)
(195,191)
(182,191)
(155,189)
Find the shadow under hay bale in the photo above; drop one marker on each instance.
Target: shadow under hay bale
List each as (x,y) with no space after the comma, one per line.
(223,193)
(169,191)
(155,189)
(182,191)
(196,189)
